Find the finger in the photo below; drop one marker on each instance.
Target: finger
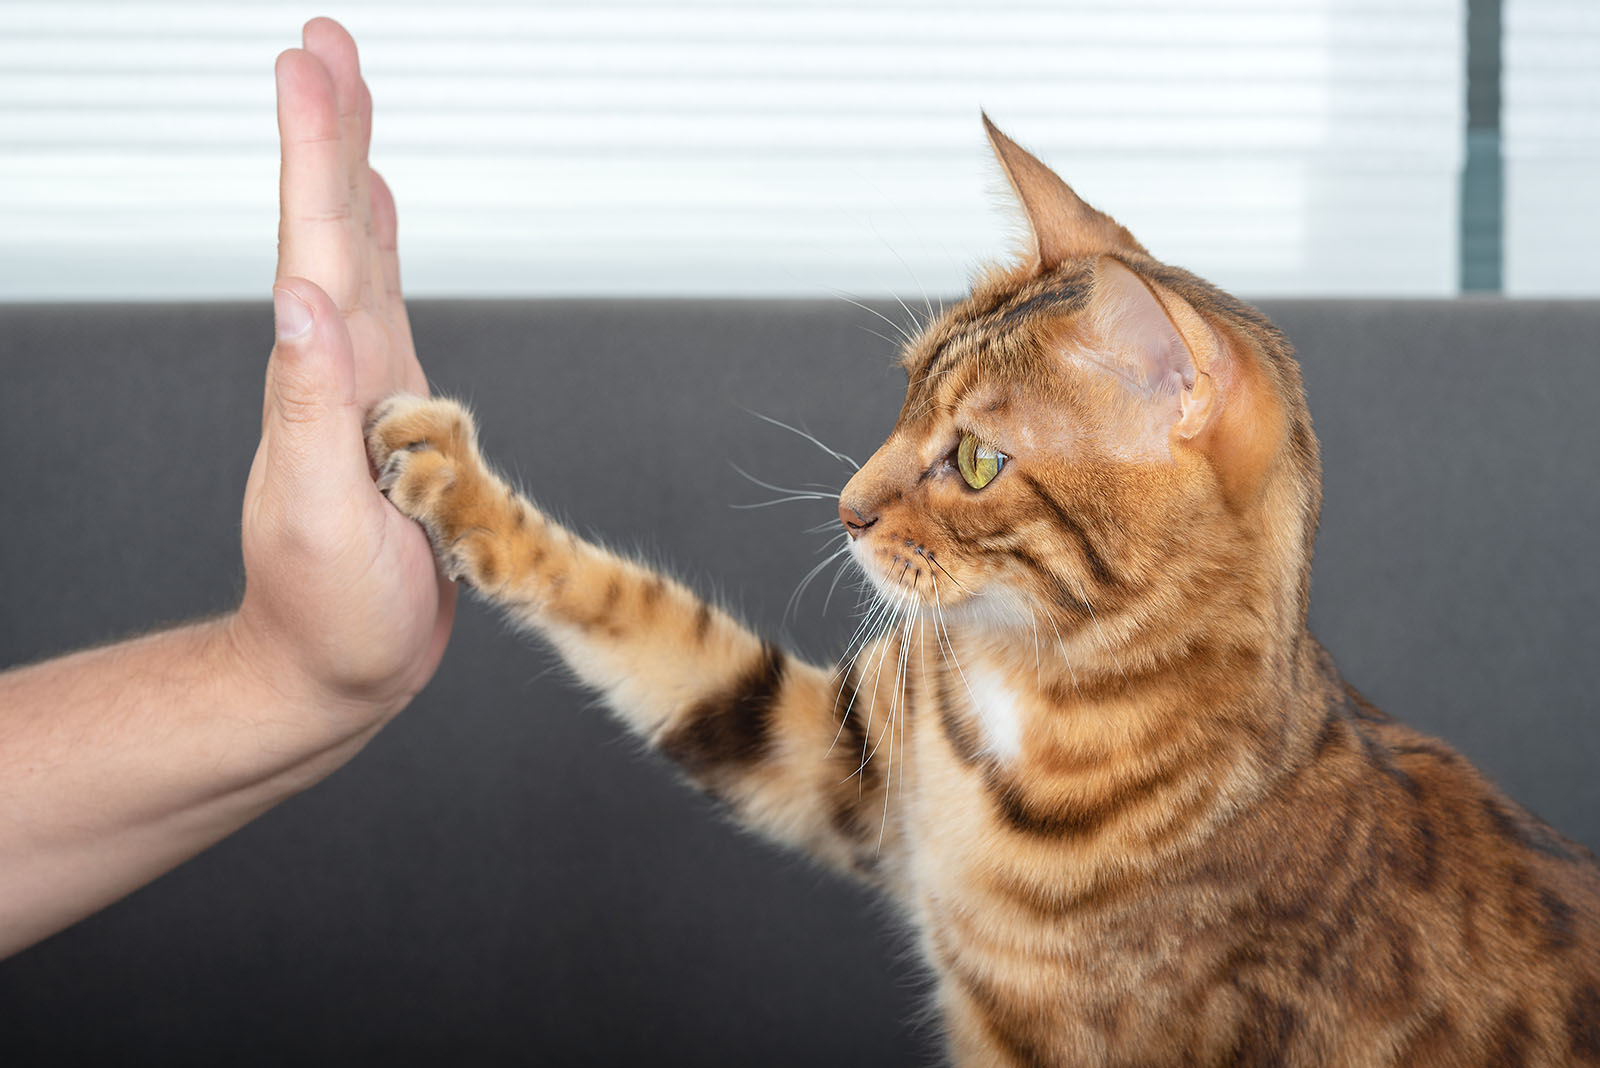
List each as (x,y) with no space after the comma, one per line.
(365,115)
(333,45)
(386,237)
(386,250)
(375,283)
(315,235)
(311,418)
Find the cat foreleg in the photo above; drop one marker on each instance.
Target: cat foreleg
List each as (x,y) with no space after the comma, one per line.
(769,734)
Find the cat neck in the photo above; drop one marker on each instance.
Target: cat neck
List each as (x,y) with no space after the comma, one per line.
(1090,695)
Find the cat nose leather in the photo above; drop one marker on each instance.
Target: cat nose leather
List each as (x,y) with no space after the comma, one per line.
(854,523)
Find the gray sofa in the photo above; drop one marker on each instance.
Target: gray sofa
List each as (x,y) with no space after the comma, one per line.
(501,877)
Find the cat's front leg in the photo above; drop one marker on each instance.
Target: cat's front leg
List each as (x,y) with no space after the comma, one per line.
(782,741)
(591,602)
(426,454)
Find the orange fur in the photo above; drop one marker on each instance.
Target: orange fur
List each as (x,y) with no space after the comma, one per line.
(1137,816)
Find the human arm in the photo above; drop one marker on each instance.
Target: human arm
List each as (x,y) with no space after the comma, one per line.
(120,762)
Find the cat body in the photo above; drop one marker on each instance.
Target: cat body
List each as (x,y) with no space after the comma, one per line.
(1093,752)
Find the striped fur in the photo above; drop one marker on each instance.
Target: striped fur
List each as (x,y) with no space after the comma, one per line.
(1134,812)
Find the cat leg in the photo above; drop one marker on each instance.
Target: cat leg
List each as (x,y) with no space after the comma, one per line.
(779,740)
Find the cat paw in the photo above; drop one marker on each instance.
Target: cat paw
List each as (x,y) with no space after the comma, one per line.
(425,454)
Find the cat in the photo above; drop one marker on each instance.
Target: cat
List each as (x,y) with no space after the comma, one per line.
(1138,817)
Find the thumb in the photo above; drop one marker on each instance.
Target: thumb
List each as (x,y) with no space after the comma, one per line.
(312,370)
(310,412)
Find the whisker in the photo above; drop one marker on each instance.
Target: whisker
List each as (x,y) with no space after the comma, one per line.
(932,407)
(915,322)
(1083,596)
(867,756)
(867,631)
(885,338)
(877,680)
(786,500)
(835,584)
(900,714)
(896,254)
(869,620)
(1038,678)
(903,623)
(835,453)
(847,663)
(933,403)
(940,374)
(903,611)
(922,656)
(794,598)
(922,647)
(949,643)
(932,560)
(839,537)
(1050,617)
(781,489)
(909,339)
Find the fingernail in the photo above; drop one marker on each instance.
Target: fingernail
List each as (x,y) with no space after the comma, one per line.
(290,315)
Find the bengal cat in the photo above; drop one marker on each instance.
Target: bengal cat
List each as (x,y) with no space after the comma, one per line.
(1138,818)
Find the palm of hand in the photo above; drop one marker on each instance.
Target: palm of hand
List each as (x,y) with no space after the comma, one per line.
(335,575)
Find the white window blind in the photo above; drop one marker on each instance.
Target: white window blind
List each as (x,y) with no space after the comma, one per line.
(1276,146)
(1550,138)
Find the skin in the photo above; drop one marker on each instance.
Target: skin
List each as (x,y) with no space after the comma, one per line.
(118,763)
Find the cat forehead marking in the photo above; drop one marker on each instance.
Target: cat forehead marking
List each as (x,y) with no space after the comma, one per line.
(997,313)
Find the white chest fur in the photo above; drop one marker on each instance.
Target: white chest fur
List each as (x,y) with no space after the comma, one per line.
(999,713)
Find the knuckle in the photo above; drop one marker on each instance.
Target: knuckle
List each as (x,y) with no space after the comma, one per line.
(296,407)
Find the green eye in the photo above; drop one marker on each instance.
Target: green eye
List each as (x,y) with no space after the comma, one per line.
(979,463)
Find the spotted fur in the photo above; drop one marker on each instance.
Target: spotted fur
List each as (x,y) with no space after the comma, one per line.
(1137,816)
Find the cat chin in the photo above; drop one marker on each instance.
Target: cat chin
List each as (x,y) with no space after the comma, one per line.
(993,609)
(895,593)
(996,609)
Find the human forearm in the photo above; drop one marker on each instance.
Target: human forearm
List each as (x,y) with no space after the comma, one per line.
(118,763)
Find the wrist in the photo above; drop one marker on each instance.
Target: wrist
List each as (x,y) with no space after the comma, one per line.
(318,719)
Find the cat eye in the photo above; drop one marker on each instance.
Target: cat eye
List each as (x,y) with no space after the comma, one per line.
(978,462)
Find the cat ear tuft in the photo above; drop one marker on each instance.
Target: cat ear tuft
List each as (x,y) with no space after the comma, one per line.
(1064,227)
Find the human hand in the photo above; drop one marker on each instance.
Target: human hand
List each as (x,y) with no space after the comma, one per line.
(343,607)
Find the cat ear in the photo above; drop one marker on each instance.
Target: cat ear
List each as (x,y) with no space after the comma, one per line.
(1064,227)
(1137,339)
(1191,386)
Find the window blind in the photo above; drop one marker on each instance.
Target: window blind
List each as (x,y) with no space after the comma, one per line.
(1550,138)
(700,148)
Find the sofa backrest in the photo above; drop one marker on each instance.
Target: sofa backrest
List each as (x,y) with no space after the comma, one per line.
(501,877)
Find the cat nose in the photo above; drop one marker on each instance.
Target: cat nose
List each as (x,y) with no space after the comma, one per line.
(854,522)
